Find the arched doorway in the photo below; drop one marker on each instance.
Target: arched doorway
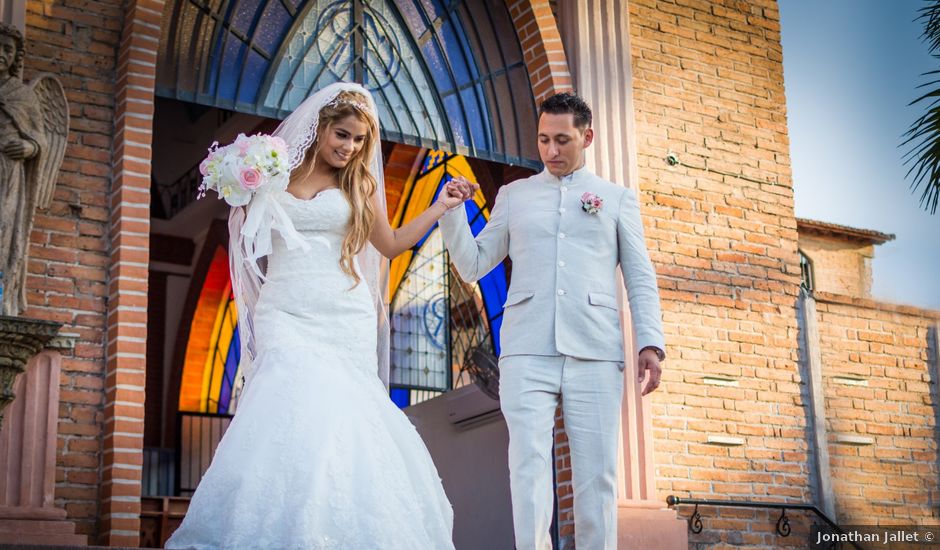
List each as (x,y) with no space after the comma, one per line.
(454,97)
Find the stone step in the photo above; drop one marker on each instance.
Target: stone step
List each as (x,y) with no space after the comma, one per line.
(36,526)
(63,546)
(60,546)
(22,541)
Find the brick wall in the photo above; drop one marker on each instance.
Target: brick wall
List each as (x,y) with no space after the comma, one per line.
(76,41)
(399,165)
(880,386)
(839,266)
(708,86)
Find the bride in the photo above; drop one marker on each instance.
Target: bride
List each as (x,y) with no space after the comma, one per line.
(317,455)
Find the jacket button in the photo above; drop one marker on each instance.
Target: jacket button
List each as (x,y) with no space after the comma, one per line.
(561,263)
(562,209)
(563,188)
(561,292)
(561,235)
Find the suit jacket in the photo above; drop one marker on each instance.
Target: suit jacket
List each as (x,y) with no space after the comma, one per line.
(563,293)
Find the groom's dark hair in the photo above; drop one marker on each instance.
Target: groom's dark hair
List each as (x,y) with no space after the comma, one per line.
(565,103)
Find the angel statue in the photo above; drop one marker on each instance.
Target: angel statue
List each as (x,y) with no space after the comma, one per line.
(34,127)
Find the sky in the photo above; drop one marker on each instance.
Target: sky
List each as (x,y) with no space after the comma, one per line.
(850,70)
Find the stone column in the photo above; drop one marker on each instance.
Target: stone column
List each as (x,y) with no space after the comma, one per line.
(596,36)
(812,357)
(28,459)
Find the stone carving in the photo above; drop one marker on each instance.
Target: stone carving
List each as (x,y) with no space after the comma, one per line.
(34,127)
(20,340)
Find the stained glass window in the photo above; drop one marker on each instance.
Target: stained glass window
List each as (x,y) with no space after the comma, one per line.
(210,368)
(448,77)
(436,318)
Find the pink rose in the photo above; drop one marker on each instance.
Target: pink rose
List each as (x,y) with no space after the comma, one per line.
(204,166)
(250,178)
(586,197)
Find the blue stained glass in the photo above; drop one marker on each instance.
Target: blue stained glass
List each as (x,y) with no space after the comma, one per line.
(432,160)
(434,9)
(400,396)
(457,123)
(493,289)
(230,68)
(437,66)
(231,368)
(255,69)
(456,53)
(493,284)
(243,16)
(273,27)
(475,110)
(412,16)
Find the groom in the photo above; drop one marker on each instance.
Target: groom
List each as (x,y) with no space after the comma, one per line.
(566,231)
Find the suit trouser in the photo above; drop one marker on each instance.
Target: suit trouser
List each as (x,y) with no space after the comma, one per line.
(590,392)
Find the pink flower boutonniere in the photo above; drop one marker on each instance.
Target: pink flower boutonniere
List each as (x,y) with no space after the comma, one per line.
(591,203)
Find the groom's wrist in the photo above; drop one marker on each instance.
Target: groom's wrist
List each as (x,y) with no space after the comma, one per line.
(660,354)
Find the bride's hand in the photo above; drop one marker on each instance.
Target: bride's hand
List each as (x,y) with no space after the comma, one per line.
(465,186)
(456,192)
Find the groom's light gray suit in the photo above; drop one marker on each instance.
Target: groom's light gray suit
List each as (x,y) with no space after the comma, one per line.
(561,336)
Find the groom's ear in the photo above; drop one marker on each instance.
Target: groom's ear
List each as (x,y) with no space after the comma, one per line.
(588,136)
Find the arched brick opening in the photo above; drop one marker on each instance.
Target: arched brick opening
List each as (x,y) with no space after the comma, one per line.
(542,48)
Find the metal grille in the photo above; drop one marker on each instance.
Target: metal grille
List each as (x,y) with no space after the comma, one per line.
(159,472)
(420,316)
(469,327)
(199,436)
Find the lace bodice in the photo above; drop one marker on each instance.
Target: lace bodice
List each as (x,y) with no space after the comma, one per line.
(307,290)
(322,221)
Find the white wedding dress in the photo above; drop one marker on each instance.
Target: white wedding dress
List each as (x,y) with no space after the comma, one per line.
(317,455)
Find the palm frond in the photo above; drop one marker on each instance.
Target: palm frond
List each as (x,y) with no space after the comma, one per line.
(923,137)
(930,15)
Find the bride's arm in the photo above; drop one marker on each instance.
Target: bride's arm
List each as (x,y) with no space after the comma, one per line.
(392,242)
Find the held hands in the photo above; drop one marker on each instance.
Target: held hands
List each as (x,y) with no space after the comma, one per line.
(456,191)
(649,362)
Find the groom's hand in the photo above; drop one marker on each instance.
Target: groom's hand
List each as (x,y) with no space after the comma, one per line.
(649,362)
(465,187)
(456,192)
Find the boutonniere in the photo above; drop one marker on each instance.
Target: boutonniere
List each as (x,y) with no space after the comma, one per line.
(591,203)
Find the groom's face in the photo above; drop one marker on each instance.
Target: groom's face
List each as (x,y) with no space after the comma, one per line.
(561,143)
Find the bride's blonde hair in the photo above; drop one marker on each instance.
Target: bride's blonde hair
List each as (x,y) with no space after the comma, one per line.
(355,180)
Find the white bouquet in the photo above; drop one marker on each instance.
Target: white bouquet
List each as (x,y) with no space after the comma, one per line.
(244,167)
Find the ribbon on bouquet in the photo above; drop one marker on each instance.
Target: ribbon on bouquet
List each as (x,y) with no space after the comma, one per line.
(265,215)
